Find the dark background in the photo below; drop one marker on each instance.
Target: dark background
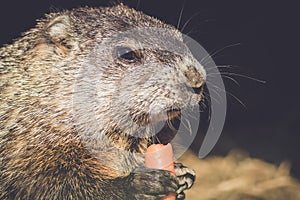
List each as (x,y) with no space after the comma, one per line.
(268,126)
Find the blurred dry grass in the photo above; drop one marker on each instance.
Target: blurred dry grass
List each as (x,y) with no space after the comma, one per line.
(239,177)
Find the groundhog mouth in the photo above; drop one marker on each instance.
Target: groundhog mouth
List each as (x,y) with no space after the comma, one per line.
(162,131)
(174,112)
(167,123)
(169,129)
(145,119)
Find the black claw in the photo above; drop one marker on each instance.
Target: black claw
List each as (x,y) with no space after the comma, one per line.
(180,196)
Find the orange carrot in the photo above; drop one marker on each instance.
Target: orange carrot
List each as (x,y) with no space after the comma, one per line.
(160,156)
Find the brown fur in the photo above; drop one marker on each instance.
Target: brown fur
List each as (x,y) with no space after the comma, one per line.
(46,152)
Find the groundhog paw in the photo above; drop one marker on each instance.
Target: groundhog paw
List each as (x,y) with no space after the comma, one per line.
(186,177)
(151,184)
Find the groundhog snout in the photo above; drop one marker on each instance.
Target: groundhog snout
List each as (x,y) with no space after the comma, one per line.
(195,79)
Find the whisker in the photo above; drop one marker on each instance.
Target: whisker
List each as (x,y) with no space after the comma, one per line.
(191,116)
(138,4)
(189,20)
(171,126)
(157,139)
(232,95)
(213,98)
(230,78)
(218,51)
(244,76)
(240,75)
(208,100)
(180,15)
(208,69)
(236,98)
(188,126)
(197,29)
(209,61)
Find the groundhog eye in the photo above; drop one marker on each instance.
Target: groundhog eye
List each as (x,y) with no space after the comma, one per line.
(126,54)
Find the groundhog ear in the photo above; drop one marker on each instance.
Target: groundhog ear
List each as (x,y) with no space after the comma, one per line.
(58,29)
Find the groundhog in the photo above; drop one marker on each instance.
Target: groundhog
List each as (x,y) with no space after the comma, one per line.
(81,93)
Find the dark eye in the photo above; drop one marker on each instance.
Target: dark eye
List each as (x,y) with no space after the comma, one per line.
(126,54)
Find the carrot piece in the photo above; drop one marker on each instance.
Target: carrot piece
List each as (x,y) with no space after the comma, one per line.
(160,156)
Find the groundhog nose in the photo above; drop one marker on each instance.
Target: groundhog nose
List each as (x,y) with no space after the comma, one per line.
(194,78)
